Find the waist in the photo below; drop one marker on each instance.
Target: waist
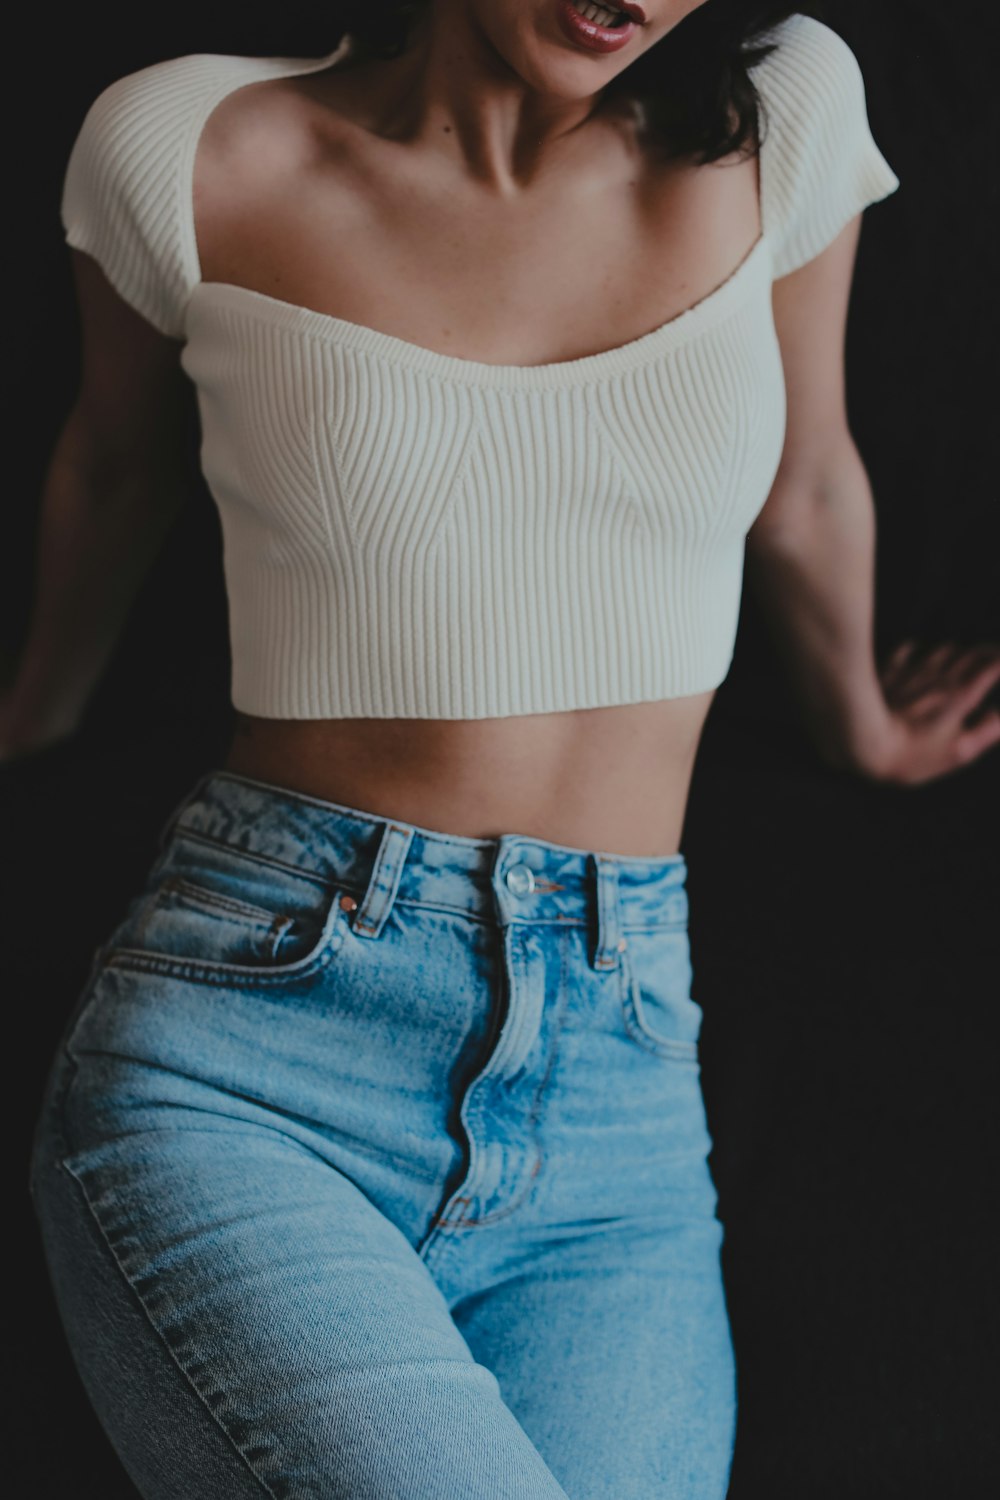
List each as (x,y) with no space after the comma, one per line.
(615,778)
(389,859)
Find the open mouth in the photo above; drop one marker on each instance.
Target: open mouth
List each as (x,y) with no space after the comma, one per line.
(600,28)
(602,15)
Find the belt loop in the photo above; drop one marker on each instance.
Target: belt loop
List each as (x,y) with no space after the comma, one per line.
(383,882)
(607,952)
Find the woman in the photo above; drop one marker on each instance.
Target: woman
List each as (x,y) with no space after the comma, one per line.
(374,1160)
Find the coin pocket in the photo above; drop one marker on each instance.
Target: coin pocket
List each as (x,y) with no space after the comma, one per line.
(233,930)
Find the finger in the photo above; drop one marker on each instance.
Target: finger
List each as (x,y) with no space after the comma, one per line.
(899,653)
(923,668)
(897,659)
(974,742)
(969,694)
(979,657)
(939,654)
(964,675)
(919,698)
(943,676)
(940,661)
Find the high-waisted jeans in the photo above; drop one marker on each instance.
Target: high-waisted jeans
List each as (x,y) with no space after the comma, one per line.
(373,1167)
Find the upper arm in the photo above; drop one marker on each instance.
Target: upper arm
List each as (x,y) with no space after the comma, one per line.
(810,316)
(134,400)
(123,216)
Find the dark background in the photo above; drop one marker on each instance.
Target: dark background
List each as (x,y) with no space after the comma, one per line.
(844,935)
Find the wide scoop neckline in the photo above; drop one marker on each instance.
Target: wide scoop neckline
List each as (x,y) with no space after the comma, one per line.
(709,310)
(677,330)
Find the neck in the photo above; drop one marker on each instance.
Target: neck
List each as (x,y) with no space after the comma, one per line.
(452,90)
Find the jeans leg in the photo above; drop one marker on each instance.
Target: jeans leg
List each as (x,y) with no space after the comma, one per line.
(247,1323)
(166,1437)
(612,1347)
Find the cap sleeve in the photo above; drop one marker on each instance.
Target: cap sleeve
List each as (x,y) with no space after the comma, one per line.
(819,164)
(126,192)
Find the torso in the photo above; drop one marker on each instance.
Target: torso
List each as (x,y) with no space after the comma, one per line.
(303,191)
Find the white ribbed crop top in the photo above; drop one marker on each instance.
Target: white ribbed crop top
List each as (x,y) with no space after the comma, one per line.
(409,534)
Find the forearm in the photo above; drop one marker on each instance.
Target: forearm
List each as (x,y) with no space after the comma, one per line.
(100,527)
(811,567)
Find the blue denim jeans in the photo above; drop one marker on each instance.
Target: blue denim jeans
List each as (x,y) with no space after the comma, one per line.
(373,1167)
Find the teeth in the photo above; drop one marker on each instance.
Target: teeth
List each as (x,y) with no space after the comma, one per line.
(601,15)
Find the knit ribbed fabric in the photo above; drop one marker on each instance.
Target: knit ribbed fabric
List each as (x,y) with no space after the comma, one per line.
(408,534)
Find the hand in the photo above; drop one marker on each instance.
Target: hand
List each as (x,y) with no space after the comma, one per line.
(929,696)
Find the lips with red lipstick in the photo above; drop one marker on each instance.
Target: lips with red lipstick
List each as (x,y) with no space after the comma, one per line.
(605,27)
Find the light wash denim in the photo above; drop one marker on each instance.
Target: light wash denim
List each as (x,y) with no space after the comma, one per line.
(373,1167)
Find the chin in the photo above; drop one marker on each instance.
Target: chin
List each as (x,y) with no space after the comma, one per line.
(534,48)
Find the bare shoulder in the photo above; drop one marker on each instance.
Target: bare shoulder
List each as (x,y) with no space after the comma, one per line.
(282,122)
(259,151)
(259,130)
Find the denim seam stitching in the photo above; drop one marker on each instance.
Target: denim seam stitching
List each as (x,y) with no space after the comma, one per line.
(229,976)
(225,975)
(262,859)
(315,876)
(536,1104)
(278,926)
(201,896)
(161,1337)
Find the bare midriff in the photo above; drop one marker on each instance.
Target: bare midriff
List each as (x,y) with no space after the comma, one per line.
(611,779)
(458,205)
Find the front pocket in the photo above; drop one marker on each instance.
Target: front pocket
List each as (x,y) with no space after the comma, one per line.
(228,920)
(228,928)
(657,1009)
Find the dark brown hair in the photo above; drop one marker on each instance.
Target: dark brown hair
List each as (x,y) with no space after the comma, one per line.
(694,85)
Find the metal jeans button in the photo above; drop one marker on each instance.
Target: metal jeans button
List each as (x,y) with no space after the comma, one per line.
(521,880)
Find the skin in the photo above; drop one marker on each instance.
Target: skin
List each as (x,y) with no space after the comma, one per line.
(464,177)
(486,203)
